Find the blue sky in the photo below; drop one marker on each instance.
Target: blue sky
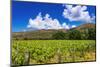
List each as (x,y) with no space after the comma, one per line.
(35,15)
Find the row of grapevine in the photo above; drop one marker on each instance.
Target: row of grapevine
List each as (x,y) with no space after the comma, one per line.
(25,52)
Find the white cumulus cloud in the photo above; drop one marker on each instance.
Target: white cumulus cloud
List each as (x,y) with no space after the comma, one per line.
(46,22)
(65,26)
(77,13)
(73,26)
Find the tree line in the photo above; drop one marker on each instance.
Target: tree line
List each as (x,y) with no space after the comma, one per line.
(86,34)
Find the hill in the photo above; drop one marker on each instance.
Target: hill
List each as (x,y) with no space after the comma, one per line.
(39,34)
(47,34)
(85,26)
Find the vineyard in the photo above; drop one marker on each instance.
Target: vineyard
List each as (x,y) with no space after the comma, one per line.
(26,52)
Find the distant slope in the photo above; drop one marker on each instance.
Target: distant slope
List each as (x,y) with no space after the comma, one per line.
(39,34)
(84,26)
(47,34)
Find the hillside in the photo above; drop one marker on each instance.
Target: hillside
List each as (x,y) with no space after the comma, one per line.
(85,26)
(47,34)
(39,34)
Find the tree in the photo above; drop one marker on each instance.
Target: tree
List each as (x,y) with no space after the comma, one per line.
(89,34)
(59,35)
(92,34)
(85,34)
(74,35)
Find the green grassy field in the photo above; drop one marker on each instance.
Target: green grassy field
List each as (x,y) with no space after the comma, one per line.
(25,52)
